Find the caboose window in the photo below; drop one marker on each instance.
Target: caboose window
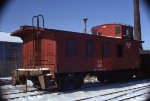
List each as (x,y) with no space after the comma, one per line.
(127,32)
(117,30)
(90,48)
(119,50)
(106,50)
(71,48)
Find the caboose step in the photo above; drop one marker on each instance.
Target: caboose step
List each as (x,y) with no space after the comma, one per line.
(33,69)
(14,80)
(46,82)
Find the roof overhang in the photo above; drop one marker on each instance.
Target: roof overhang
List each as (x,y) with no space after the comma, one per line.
(25,30)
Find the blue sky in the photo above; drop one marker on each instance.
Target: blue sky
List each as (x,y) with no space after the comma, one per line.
(68,14)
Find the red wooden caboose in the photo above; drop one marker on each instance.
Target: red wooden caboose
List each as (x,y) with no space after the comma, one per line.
(67,57)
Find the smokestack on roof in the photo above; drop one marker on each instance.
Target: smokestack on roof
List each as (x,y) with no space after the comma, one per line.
(137,25)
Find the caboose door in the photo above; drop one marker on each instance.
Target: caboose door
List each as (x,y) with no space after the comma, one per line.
(52,55)
(49,54)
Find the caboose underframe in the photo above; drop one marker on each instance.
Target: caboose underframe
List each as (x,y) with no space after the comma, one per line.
(43,80)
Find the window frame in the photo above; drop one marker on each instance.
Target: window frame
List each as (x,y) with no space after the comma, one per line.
(90,48)
(119,50)
(117,30)
(71,48)
(106,49)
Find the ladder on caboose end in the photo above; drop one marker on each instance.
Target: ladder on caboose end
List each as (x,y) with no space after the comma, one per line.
(45,80)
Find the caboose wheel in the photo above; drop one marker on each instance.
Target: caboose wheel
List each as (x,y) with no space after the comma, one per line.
(77,86)
(60,87)
(78,83)
(60,84)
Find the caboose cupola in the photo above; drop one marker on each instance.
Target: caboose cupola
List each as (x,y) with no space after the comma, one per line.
(114,31)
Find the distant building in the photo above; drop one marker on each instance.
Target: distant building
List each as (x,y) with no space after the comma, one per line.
(10,56)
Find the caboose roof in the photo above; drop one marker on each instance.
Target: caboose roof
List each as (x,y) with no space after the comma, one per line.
(26,29)
(113,24)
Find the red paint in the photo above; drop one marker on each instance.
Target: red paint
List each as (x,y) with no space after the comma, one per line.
(54,50)
(109,30)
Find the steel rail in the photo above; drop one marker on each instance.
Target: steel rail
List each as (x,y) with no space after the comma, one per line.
(131,89)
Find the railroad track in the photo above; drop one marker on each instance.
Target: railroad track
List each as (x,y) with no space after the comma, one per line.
(16,92)
(138,95)
(8,96)
(122,97)
(23,94)
(118,94)
(12,96)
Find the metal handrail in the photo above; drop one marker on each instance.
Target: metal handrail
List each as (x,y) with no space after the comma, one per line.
(42,18)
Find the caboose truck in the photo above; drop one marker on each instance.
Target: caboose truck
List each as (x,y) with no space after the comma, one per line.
(56,58)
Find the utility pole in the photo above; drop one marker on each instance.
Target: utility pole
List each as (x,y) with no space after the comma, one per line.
(137,25)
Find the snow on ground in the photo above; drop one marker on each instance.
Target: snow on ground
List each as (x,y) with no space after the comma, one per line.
(7,88)
(79,94)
